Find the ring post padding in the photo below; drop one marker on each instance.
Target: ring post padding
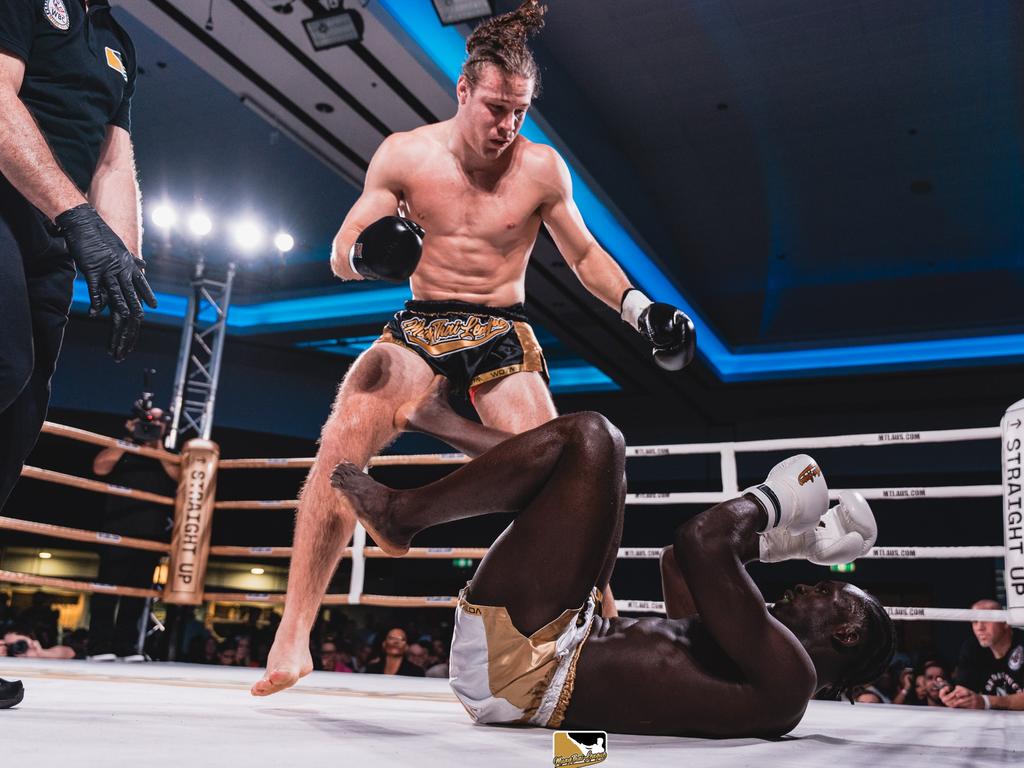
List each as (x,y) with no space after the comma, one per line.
(193,523)
(1013,511)
(355,584)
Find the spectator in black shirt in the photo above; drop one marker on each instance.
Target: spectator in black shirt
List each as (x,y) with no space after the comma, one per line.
(68,195)
(990,672)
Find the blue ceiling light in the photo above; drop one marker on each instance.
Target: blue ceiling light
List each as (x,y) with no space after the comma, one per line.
(327,310)
(356,307)
(445,47)
(576,376)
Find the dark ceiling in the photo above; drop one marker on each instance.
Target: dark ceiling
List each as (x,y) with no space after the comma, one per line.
(818,171)
(807,173)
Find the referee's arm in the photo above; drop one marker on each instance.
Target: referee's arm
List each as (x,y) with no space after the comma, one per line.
(114,191)
(25,158)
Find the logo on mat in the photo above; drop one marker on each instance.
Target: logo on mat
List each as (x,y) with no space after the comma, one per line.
(57,14)
(1016,658)
(115,62)
(442,335)
(808,474)
(573,748)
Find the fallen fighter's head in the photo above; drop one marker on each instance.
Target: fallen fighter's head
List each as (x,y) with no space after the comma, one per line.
(846,632)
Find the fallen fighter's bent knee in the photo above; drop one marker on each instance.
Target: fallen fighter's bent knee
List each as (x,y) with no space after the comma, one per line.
(593,430)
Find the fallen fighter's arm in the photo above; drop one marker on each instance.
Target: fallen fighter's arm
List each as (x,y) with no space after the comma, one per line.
(711,550)
(678,600)
(731,671)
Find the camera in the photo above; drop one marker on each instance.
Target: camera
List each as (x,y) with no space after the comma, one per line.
(17,648)
(146,427)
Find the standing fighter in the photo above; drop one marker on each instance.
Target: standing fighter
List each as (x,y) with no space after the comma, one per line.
(67,185)
(471,195)
(529,646)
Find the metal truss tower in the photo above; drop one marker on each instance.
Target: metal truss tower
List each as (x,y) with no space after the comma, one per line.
(199,357)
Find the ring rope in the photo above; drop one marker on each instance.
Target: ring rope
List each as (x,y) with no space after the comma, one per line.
(714,497)
(680,449)
(896,612)
(888,494)
(78,534)
(84,436)
(60,478)
(625,553)
(876,553)
(76,586)
(257,504)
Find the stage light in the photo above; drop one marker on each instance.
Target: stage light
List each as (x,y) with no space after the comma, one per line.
(458,11)
(284,242)
(256,571)
(247,234)
(329,30)
(199,224)
(45,555)
(164,216)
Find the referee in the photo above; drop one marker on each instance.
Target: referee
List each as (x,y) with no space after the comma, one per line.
(68,196)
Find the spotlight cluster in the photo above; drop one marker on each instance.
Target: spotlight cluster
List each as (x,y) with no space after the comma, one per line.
(247,233)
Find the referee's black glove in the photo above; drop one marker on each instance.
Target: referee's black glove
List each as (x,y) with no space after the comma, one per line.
(113,275)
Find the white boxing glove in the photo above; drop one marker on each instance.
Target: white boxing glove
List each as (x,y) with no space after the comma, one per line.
(794,495)
(846,532)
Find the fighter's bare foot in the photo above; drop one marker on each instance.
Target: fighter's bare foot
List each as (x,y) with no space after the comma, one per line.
(288,661)
(373,505)
(422,413)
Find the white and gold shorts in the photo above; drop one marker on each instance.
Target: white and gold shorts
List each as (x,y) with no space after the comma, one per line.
(502,676)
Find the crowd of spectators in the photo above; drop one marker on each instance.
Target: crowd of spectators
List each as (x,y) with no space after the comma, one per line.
(34,633)
(989,673)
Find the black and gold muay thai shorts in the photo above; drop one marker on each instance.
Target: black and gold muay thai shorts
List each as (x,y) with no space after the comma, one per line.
(469,344)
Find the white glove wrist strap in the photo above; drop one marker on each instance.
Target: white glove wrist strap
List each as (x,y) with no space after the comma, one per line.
(767,498)
(633,304)
(352,258)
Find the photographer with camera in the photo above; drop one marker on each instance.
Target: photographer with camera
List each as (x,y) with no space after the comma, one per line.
(22,643)
(114,625)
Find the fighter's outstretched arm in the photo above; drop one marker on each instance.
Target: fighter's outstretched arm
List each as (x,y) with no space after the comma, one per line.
(593,265)
(670,331)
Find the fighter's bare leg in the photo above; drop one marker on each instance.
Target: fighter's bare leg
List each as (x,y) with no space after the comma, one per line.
(563,480)
(515,403)
(360,424)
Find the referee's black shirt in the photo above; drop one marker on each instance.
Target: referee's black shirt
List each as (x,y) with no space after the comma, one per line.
(79,75)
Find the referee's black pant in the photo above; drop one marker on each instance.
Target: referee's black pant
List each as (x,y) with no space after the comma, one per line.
(36,283)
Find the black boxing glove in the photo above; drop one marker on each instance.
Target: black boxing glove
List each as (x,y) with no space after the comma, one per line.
(113,275)
(389,249)
(669,330)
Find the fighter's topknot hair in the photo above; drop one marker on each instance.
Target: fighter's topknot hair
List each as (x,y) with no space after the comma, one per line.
(502,41)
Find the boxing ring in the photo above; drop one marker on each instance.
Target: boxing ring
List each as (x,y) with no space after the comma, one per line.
(366,718)
(169,715)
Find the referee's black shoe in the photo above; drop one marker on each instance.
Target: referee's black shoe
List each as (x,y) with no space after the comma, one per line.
(11,693)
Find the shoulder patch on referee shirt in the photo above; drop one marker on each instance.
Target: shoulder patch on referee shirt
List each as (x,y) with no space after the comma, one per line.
(57,14)
(115,62)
